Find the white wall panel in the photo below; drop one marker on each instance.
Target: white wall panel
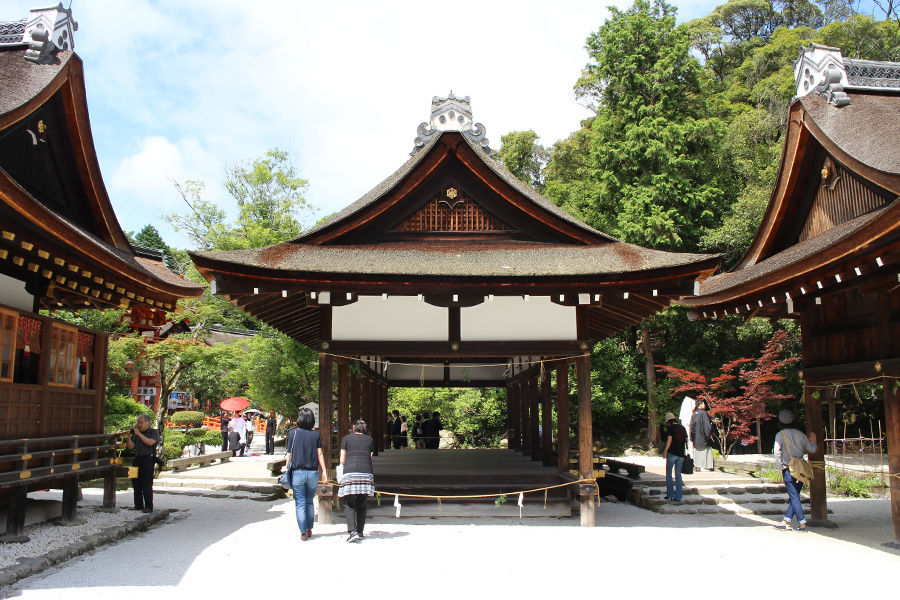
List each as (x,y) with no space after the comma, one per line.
(399,318)
(512,318)
(13,294)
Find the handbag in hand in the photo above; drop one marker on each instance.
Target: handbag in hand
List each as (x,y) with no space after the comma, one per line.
(799,468)
(285,479)
(687,467)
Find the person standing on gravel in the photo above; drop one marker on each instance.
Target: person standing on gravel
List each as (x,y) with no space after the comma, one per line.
(143,440)
(676,441)
(271,426)
(701,428)
(790,443)
(358,482)
(304,460)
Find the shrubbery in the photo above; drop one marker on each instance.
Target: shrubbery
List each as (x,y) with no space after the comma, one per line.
(121,413)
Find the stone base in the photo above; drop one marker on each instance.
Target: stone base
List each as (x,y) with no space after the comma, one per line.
(107,510)
(826,524)
(14,539)
(72,523)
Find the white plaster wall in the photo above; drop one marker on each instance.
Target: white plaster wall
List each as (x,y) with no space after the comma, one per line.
(13,294)
(436,373)
(511,318)
(399,318)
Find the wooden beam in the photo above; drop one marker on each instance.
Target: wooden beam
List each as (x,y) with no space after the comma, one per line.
(452,349)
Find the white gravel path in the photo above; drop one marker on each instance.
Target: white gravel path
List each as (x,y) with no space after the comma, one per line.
(633,551)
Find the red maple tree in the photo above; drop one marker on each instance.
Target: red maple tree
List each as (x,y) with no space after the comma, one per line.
(738,395)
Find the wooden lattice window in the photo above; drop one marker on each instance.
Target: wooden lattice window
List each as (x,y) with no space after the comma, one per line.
(8,328)
(62,355)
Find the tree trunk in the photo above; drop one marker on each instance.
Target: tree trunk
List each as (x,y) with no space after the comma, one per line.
(652,425)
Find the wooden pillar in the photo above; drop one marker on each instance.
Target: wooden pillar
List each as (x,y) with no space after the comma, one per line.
(546,419)
(326,390)
(526,423)
(509,418)
(515,441)
(70,501)
(98,379)
(109,488)
(383,397)
(818,509)
(585,437)
(562,417)
(343,411)
(15,515)
(370,414)
(355,398)
(892,423)
(534,417)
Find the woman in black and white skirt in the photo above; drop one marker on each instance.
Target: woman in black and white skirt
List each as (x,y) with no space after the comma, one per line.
(358,481)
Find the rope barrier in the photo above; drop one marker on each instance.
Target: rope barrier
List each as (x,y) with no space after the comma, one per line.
(471,496)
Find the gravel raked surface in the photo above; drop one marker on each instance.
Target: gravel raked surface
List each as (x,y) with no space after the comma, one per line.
(51,536)
(632,551)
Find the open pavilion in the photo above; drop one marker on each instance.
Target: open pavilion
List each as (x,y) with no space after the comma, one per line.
(452,272)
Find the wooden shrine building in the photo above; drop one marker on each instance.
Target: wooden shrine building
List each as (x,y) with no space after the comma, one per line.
(828,249)
(452,272)
(61,247)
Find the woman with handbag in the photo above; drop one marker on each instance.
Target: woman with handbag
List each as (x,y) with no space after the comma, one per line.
(790,443)
(358,481)
(304,461)
(701,431)
(675,449)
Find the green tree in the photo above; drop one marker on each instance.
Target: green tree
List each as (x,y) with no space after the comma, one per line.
(281,373)
(270,206)
(524,157)
(656,147)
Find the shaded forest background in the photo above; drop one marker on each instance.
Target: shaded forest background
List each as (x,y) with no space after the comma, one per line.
(681,154)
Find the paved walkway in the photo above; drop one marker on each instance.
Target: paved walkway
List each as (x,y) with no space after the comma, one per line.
(210,545)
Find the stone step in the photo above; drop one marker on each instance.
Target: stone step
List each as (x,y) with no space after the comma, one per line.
(735,490)
(233,494)
(220,484)
(714,499)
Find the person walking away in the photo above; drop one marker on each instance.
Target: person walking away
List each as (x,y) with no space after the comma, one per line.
(432,429)
(404,433)
(701,428)
(676,441)
(271,426)
(144,440)
(239,426)
(395,430)
(224,420)
(304,460)
(358,482)
(790,443)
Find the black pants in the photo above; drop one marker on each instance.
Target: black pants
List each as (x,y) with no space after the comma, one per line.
(143,483)
(224,441)
(355,511)
(270,442)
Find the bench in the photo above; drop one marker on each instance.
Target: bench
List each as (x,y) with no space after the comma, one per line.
(634,471)
(741,467)
(276,466)
(177,464)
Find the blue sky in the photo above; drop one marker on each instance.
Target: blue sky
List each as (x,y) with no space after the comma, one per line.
(178,89)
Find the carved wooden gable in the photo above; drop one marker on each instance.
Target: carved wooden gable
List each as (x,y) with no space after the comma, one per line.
(453,210)
(840,196)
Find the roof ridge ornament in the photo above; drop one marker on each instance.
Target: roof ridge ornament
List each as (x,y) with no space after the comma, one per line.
(820,70)
(451,114)
(45,32)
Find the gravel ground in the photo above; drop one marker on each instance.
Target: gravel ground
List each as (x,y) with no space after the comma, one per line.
(51,536)
(631,551)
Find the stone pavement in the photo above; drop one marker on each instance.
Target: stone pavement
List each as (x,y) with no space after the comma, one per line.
(250,547)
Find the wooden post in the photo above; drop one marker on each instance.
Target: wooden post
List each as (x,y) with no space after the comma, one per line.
(562,417)
(343,411)
(818,508)
(70,501)
(109,488)
(15,515)
(98,379)
(326,389)
(370,413)
(546,418)
(585,436)
(355,398)
(525,397)
(533,399)
(892,433)
(383,403)
(515,440)
(509,418)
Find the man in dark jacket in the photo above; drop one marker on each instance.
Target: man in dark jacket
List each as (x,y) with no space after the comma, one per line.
(431,429)
(395,430)
(224,420)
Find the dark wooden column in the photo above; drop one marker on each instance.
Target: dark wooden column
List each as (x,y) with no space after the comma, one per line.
(534,420)
(326,390)
(509,418)
(355,398)
(370,407)
(585,436)
(98,379)
(562,416)
(343,411)
(892,420)
(525,404)
(382,394)
(546,419)
(818,508)
(515,440)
